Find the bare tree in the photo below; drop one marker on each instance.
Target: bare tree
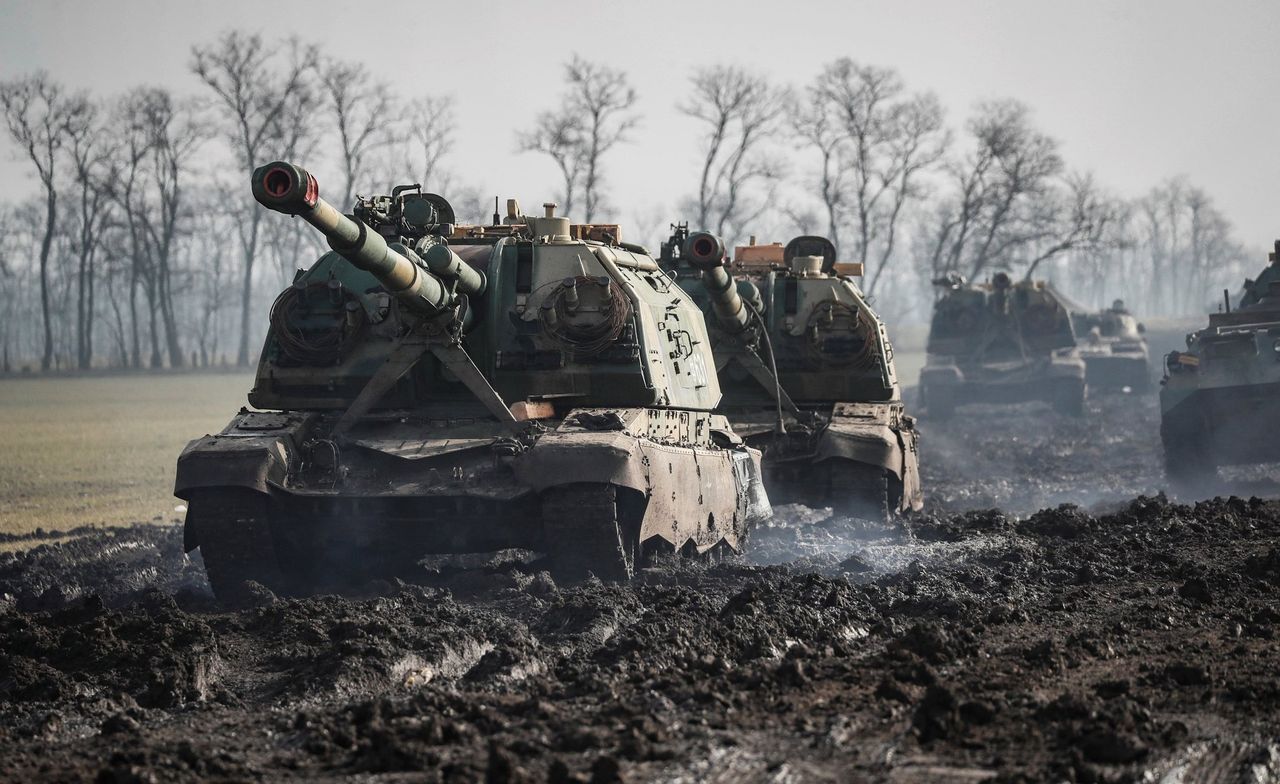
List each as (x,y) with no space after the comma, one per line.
(874,140)
(8,285)
(134,144)
(363,115)
(117,265)
(741,111)
(294,136)
(36,113)
(1013,204)
(558,134)
(594,117)
(1185,248)
(94,171)
(425,141)
(253,83)
(176,135)
(1079,217)
(649,226)
(214,275)
(23,327)
(818,128)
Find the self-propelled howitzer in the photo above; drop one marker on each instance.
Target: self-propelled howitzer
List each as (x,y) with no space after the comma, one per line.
(428,389)
(1000,342)
(808,372)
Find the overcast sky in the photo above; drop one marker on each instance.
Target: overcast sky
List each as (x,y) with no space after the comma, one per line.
(1135,91)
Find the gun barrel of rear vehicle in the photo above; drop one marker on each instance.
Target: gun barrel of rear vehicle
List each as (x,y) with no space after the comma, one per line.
(292,190)
(705,252)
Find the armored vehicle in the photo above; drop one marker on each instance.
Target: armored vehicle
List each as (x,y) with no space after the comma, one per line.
(428,388)
(1220,399)
(807,369)
(1113,345)
(1000,342)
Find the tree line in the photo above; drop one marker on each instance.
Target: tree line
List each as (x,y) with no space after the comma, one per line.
(119,259)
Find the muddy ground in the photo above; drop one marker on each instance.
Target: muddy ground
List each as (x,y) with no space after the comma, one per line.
(1130,638)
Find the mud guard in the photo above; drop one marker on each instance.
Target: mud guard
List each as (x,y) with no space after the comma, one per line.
(941,375)
(1066,365)
(688,497)
(253,452)
(878,434)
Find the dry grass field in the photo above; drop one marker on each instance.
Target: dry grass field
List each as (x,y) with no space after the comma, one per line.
(100,450)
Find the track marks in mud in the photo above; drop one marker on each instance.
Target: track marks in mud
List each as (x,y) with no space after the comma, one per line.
(1062,644)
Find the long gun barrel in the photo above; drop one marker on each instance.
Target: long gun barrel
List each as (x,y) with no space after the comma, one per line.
(705,252)
(292,190)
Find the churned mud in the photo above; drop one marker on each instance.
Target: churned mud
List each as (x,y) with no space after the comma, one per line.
(999,637)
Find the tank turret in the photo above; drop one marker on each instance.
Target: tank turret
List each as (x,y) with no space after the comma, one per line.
(431,389)
(1267,284)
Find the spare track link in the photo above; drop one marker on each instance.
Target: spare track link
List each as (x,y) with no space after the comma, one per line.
(582,533)
(236,544)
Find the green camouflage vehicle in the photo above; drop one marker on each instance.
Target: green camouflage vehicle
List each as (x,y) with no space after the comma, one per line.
(807,370)
(1113,345)
(1220,399)
(1000,342)
(428,388)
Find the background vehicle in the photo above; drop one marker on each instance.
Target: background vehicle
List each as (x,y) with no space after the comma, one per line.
(1114,347)
(1220,399)
(1001,342)
(807,369)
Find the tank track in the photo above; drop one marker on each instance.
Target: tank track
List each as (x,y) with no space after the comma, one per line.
(584,534)
(1068,398)
(234,530)
(850,488)
(1188,463)
(859,490)
(588,529)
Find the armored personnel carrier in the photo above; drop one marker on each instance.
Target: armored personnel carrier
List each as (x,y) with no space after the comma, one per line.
(428,388)
(1220,399)
(807,369)
(1113,345)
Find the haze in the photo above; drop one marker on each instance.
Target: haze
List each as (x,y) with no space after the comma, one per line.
(1137,92)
